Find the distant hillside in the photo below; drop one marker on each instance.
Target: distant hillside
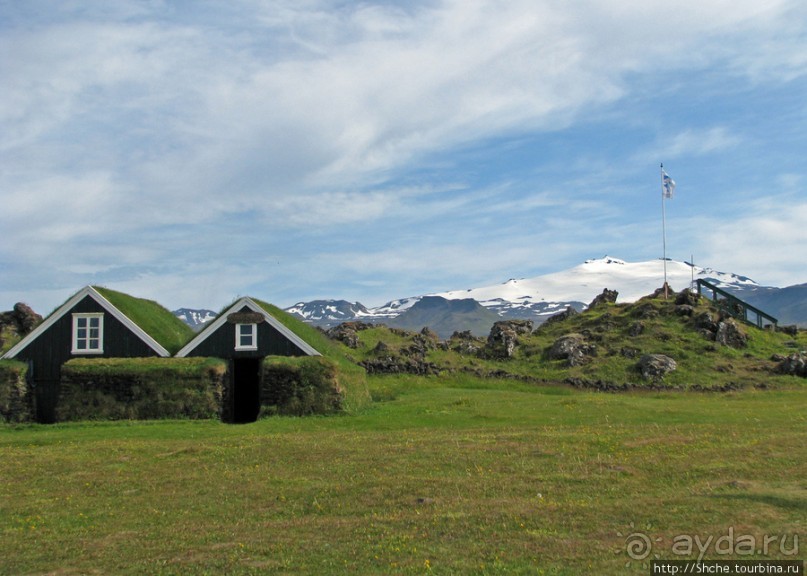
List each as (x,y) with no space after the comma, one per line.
(788,305)
(540,297)
(446,316)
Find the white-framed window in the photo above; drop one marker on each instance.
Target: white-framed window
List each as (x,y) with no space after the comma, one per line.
(88,333)
(246,336)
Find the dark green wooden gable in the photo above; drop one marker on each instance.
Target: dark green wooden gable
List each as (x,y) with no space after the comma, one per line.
(219,339)
(50,345)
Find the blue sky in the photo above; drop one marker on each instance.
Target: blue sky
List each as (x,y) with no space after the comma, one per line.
(192,152)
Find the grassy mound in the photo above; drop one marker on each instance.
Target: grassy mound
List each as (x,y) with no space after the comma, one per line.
(614,338)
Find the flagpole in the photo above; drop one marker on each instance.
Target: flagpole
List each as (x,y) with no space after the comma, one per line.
(663,230)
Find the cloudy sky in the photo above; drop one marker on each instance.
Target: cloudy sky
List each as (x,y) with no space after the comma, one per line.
(192,151)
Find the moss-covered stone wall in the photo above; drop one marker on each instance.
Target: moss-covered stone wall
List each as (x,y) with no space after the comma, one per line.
(15,396)
(141,388)
(300,386)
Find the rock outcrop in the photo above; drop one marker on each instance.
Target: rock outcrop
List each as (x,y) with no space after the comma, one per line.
(503,337)
(687,298)
(347,333)
(411,359)
(18,322)
(574,348)
(656,366)
(606,297)
(794,365)
(705,324)
(465,343)
(561,316)
(729,333)
(405,361)
(725,331)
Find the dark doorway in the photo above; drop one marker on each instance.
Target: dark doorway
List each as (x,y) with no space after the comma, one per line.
(246,389)
(46,396)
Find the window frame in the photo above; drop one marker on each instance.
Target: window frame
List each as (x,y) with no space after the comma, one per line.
(253,334)
(88,339)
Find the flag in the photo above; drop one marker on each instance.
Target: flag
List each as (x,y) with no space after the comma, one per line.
(667,185)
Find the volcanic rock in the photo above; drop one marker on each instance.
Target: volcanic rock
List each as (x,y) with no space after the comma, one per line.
(656,366)
(573,348)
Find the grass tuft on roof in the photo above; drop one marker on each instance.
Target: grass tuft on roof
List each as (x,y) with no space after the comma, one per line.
(157,321)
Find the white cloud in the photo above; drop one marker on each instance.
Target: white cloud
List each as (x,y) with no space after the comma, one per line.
(146,124)
(384,86)
(694,142)
(47,215)
(769,244)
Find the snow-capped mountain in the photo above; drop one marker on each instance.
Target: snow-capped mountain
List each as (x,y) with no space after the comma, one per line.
(329,311)
(196,319)
(540,297)
(543,296)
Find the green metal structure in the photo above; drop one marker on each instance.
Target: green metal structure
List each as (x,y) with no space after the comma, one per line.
(736,307)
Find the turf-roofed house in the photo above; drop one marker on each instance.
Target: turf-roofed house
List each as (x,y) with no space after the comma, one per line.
(94,323)
(245,334)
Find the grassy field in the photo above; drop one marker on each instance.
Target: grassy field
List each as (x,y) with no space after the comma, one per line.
(446,475)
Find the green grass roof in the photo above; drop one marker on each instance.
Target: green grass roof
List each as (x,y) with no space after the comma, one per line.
(312,335)
(353,376)
(158,322)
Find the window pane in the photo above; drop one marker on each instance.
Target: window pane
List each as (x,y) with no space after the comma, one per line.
(87,331)
(246,336)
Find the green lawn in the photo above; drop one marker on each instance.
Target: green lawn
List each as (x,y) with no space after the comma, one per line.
(442,476)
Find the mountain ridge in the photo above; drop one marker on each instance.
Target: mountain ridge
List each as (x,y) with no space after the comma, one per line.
(194,318)
(540,297)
